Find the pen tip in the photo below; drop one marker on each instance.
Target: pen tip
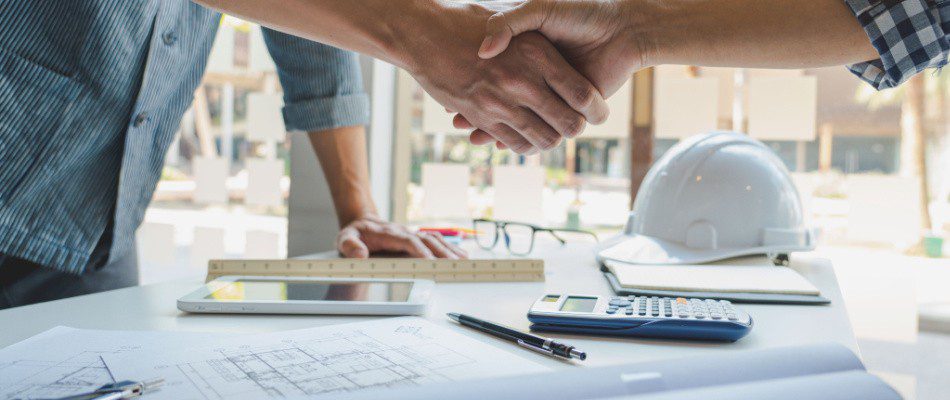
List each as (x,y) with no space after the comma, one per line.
(578,354)
(453,316)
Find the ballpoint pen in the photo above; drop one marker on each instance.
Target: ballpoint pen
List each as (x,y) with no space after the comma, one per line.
(119,390)
(536,343)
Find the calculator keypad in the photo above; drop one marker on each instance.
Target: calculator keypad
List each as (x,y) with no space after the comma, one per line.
(672,308)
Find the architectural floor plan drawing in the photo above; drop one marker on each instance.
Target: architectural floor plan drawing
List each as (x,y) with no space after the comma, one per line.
(65,361)
(322,361)
(53,379)
(344,362)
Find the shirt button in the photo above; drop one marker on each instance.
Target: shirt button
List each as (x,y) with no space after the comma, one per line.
(169,38)
(140,119)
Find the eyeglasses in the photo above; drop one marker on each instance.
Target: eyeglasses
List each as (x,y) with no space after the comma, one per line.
(519,237)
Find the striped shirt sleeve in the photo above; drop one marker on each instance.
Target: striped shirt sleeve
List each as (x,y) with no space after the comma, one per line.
(909,35)
(323,86)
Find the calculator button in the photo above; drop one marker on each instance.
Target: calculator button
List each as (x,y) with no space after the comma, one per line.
(680,300)
(628,311)
(620,302)
(611,310)
(732,317)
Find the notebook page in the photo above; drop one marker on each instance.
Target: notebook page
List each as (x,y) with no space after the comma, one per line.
(712,278)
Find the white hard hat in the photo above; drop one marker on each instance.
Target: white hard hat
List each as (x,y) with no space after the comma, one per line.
(712,197)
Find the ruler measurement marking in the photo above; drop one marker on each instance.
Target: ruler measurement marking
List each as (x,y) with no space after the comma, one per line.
(440,270)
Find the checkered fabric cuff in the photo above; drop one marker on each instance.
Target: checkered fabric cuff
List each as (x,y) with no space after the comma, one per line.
(908,34)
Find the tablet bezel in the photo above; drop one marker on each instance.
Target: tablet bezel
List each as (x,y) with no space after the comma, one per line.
(415,304)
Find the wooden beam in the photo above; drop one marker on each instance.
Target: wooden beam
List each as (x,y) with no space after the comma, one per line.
(203,123)
(825,139)
(402,146)
(641,133)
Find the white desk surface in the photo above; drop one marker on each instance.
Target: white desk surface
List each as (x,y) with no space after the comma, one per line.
(570,269)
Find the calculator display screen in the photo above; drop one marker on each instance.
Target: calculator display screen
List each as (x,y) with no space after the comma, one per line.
(579,304)
(251,289)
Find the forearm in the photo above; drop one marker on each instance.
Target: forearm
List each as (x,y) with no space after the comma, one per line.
(342,155)
(379,28)
(748,33)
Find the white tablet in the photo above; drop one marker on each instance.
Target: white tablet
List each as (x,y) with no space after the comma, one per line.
(302,295)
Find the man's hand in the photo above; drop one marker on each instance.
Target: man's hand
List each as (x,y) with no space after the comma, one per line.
(594,36)
(368,235)
(528,98)
(717,33)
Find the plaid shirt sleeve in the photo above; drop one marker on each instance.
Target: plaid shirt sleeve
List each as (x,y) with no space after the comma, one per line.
(910,36)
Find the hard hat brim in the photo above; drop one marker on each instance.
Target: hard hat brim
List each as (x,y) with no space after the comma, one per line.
(640,249)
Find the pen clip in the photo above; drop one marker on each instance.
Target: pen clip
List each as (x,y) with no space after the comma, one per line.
(522,343)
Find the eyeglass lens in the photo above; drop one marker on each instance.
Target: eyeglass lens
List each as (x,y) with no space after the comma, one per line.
(519,238)
(486,234)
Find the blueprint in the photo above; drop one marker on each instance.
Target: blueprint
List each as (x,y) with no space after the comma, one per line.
(66,361)
(391,352)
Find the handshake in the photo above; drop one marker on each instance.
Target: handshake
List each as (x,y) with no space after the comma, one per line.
(522,74)
(526,75)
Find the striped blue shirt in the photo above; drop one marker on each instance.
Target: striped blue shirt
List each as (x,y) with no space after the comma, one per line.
(91,95)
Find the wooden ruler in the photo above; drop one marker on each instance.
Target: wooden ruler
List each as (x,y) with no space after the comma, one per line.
(507,270)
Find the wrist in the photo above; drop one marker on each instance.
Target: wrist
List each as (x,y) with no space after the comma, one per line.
(355,203)
(350,216)
(642,24)
(400,44)
(428,25)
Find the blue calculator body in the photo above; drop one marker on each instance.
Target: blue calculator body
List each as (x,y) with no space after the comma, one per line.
(640,316)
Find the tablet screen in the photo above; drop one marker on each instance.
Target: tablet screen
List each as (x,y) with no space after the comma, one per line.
(263,290)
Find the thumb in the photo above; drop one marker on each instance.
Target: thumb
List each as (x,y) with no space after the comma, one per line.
(503,26)
(350,245)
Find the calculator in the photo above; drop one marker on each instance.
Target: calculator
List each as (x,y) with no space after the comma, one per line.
(640,316)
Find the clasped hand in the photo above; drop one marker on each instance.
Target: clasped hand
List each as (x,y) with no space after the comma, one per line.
(516,104)
(528,98)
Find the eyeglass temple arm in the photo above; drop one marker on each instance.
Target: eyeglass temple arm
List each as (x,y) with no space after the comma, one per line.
(554,233)
(551,231)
